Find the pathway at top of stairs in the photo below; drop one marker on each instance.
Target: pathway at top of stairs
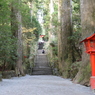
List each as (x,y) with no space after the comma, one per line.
(41,64)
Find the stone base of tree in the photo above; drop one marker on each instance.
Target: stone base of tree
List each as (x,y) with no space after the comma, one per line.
(0,77)
(55,71)
(8,74)
(28,71)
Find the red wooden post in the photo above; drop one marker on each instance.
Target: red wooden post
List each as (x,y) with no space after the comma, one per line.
(89,43)
(92,58)
(92,78)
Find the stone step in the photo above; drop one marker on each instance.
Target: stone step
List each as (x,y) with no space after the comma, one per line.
(41,68)
(42,71)
(41,65)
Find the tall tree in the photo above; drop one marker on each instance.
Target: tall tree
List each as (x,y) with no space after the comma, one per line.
(66,32)
(59,37)
(16,23)
(51,7)
(88,27)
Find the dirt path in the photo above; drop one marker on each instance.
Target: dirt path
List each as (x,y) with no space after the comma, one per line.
(41,85)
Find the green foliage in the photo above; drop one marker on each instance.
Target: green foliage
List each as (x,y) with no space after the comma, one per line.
(75,37)
(74,69)
(7,46)
(76,15)
(76,34)
(35,24)
(32,30)
(7,41)
(26,21)
(55,15)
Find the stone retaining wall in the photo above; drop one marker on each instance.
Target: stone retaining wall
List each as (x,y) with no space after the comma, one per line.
(8,74)
(0,77)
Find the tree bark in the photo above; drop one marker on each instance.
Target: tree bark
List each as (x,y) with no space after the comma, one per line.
(59,38)
(88,27)
(51,7)
(65,52)
(50,32)
(16,26)
(19,44)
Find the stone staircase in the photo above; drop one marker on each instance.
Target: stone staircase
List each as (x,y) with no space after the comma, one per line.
(41,65)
